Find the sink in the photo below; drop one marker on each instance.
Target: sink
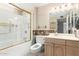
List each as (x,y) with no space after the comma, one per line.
(61,35)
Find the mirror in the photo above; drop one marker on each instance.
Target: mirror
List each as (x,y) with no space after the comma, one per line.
(64,18)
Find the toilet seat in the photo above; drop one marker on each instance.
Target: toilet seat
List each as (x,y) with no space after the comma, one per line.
(36,46)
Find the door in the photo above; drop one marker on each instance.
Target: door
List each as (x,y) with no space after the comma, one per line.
(25,27)
(59,50)
(60,26)
(72,48)
(72,51)
(48,49)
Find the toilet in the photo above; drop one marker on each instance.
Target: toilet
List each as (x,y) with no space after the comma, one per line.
(37,47)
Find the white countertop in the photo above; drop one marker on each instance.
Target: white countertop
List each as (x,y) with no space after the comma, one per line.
(60,36)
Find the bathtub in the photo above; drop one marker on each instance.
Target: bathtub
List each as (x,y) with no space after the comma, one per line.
(18,50)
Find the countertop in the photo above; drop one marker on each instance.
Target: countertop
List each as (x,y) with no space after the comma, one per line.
(60,36)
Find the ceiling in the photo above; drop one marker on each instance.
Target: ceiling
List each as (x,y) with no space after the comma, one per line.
(30,5)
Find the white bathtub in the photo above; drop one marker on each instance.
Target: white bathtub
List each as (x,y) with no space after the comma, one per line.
(19,50)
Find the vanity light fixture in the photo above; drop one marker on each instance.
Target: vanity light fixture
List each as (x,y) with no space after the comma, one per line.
(69,7)
(65,5)
(58,9)
(53,10)
(63,8)
(76,6)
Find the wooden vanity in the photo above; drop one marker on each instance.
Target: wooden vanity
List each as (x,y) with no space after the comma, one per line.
(61,47)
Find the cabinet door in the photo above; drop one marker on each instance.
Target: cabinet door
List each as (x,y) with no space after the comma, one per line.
(72,51)
(59,50)
(48,49)
(72,48)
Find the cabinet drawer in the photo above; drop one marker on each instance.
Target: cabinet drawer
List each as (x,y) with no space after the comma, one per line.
(72,43)
(49,40)
(59,41)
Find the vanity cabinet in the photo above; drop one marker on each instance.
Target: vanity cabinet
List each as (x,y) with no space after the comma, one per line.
(61,47)
(54,47)
(72,48)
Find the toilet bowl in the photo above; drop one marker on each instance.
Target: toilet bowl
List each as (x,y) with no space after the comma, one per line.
(36,48)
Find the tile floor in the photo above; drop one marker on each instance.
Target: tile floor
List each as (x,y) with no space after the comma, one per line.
(35,54)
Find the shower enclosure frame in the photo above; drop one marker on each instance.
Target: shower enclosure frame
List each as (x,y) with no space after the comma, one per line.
(18,8)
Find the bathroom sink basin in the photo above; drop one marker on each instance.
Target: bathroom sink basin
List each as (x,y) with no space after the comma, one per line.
(61,35)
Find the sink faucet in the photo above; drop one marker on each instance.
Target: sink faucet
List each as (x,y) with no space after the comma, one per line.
(56,34)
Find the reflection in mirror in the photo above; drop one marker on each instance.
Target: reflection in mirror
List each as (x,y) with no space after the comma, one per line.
(77,24)
(65,19)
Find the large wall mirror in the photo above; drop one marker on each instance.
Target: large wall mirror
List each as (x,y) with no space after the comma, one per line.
(64,18)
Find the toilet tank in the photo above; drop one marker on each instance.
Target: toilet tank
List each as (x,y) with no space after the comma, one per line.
(40,39)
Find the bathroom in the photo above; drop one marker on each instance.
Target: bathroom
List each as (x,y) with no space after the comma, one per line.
(36,29)
(56,29)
